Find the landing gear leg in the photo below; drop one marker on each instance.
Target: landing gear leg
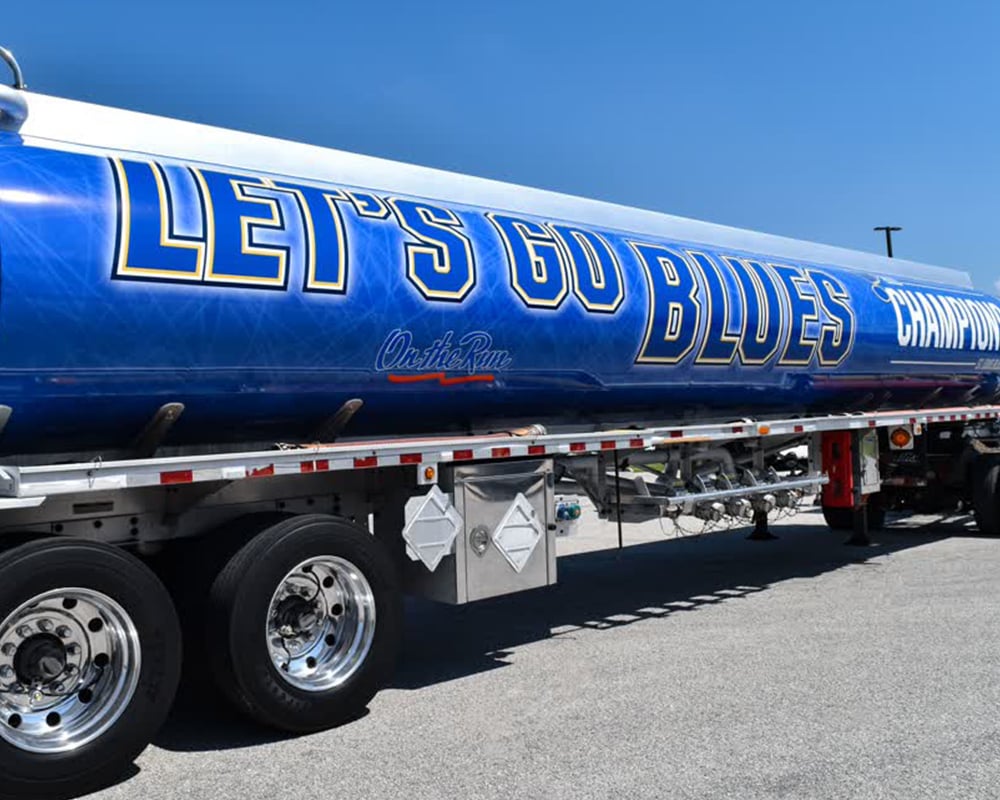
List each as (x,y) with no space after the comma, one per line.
(760,532)
(859,534)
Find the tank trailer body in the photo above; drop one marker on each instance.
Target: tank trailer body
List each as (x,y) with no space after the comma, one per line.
(254,391)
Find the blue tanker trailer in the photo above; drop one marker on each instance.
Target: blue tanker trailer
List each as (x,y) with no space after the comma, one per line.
(437,356)
(261,284)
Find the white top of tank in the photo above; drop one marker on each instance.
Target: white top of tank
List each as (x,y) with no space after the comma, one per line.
(70,124)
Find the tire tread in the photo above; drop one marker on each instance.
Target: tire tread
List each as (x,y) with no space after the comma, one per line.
(274,703)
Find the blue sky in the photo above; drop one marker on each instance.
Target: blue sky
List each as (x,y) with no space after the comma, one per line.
(812,120)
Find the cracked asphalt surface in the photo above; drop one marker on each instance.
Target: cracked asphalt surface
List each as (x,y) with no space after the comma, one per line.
(682,667)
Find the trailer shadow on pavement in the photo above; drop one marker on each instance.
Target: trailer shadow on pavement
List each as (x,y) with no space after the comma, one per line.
(599,589)
(607,589)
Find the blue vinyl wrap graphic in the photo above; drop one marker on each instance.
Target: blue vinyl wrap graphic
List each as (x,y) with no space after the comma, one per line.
(263,303)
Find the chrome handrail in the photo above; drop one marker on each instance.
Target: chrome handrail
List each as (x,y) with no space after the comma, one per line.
(15,68)
(13,103)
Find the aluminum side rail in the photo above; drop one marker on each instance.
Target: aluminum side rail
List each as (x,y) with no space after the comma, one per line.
(19,483)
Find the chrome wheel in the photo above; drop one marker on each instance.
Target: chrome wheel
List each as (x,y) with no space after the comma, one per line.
(69,665)
(320,623)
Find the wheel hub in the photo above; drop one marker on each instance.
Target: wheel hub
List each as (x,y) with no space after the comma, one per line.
(69,665)
(40,659)
(320,623)
(295,615)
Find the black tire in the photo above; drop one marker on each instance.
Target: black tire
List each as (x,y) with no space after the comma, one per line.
(842,519)
(838,519)
(985,500)
(188,570)
(31,569)
(238,608)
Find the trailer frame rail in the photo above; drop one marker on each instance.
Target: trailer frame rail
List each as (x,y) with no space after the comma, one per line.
(23,486)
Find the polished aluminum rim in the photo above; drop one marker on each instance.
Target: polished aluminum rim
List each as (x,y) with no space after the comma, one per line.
(69,665)
(320,623)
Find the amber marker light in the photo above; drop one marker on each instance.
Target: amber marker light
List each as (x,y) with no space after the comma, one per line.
(900,437)
(429,473)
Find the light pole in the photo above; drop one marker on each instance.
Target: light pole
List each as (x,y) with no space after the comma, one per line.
(888,236)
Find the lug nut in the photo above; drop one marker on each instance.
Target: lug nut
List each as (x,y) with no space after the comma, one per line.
(73,649)
(8,649)
(63,632)
(6,672)
(309,620)
(24,631)
(45,625)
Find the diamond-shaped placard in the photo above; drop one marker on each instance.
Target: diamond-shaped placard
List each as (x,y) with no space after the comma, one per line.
(518,533)
(432,523)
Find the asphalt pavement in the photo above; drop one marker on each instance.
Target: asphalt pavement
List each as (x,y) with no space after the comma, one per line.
(681,667)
